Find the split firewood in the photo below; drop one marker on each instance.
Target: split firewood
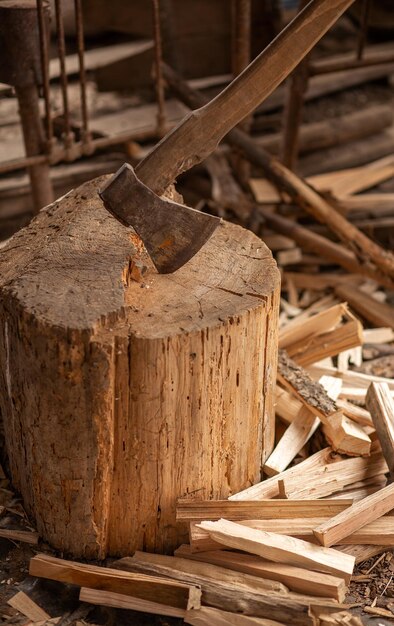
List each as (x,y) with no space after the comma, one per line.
(124,601)
(356,413)
(171,593)
(343,434)
(280,548)
(295,578)
(378,313)
(25,605)
(197,511)
(354,384)
(342,618)
(379,532)
(361,489)
(378,335)
(229,590)
(362,553)
(381,406)
(358,515)
(305,196)
(207,616)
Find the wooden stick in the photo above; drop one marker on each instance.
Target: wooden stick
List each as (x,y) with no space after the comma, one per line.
(296,188)
(381,406)
(378,532)
(295,578)
(358,515)
(228,590)
(195,511)
(207,616)
(123,601)
(25,605)
(280,548)
(26,536)
(378,313)
(174,594)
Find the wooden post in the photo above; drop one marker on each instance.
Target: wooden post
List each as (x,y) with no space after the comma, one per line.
(122,389)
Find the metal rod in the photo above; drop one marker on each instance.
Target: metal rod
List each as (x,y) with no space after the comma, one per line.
(363,28)
(68,136)
(86,136)
(241,21)
(33,135)
(294,104)
(159,82)
(42,26)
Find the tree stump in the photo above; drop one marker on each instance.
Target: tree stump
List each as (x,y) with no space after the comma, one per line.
(121,393)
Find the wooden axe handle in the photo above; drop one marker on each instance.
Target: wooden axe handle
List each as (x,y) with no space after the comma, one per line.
(199,133)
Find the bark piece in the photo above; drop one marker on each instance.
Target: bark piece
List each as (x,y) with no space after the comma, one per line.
(98,370)
(280,548)
(295,578)
(358,515)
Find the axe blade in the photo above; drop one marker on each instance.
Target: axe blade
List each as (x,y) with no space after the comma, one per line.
(171,232)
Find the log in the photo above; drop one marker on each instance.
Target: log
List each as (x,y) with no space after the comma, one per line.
(167,592)
(381,406)
(114,391)
(280,548)
(295,578)
(358,515)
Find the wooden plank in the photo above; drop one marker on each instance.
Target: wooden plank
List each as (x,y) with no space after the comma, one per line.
(295,578)
(225,589)
(171,593)
(195,510)
(25,605)
(381,406)
(123,601)
(26,536)
(207,616)
(355,517)
(378,532)
(280,548)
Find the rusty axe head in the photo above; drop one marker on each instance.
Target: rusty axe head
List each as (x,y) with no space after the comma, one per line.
(172,233)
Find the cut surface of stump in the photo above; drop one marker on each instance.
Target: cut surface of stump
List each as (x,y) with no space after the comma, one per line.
(119,395)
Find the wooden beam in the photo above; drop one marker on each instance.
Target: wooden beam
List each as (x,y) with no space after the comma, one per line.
(358,515)
(381,406)
(295,578)
(171,593)
(280,548)
(195,510)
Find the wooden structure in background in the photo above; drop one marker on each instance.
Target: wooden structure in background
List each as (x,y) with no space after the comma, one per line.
(122,391)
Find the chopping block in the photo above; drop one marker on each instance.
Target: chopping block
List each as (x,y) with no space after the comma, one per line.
(122,389)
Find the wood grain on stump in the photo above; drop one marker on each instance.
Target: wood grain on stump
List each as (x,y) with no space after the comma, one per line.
(119,396)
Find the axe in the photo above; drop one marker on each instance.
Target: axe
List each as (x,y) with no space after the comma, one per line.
(173,233)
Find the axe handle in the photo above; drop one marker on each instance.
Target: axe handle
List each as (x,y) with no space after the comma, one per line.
(199,133)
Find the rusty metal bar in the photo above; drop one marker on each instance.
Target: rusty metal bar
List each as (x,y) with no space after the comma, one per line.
(158,73)
(363,28)
(85,133)
(44,52)
(294,104)
(68,135)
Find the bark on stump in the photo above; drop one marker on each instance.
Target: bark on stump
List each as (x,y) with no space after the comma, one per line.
(119,396)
